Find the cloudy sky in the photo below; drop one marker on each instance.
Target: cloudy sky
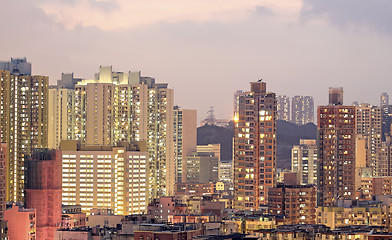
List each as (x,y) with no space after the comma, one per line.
(207,49)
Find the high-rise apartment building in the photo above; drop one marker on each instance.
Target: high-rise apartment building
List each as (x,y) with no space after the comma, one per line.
(24,121)
(43,190)
(297,203)
(336,141)
(386,120)
(283,107)
(384,99)
(185,139)
(115,107)
(384,158)
(105,177)
(368,124)
(304,161)
(237,95)
(302,110)
(254,147)
(335,96)
(61,110)
(17,66)
(68,81)
(3,179)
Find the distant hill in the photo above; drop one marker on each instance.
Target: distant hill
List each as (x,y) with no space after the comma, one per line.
(209,134)
(288,135)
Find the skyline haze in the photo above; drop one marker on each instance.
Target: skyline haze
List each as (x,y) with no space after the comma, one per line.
(208,49)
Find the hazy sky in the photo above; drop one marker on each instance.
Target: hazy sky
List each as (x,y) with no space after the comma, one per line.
(207,49)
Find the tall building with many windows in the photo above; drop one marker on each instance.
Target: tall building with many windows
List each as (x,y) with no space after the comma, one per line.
(185,139)
(386,120)
(24,120)
(384,99)
(211,148)
(304,161)
(105,177)
(369,125)
(61,110)
(254,147)
(3,179)
(116,106)
(61,116)
(302,110)
(384,158)
(17,66)
(202,167)
(336,142)
(283,107)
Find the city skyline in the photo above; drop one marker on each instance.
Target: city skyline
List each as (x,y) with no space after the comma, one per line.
(126,119)
(338,44)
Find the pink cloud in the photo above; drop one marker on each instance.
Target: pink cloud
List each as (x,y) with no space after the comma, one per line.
(135,13)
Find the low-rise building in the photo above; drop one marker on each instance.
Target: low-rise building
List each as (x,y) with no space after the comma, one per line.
(159,209)
(21,222)
(297,203)
(375,186)
(103,218)
(322,232)
(165,232)
(346,213)
(72,217)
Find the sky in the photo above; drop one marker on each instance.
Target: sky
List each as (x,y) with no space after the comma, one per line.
(208,49)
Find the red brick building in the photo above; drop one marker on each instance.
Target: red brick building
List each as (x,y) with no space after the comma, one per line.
(254,147)
(297,203)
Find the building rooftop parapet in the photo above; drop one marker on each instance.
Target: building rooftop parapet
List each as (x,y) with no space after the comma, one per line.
(177,227)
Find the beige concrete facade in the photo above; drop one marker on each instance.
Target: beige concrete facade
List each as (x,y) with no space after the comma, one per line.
(302,110)
(185,139)
(283,107)
(368,124)
(211,148)
(24,123)
(117,106)
(105,177)
(201,168)
(335,217)
(304,161)
(61,116)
